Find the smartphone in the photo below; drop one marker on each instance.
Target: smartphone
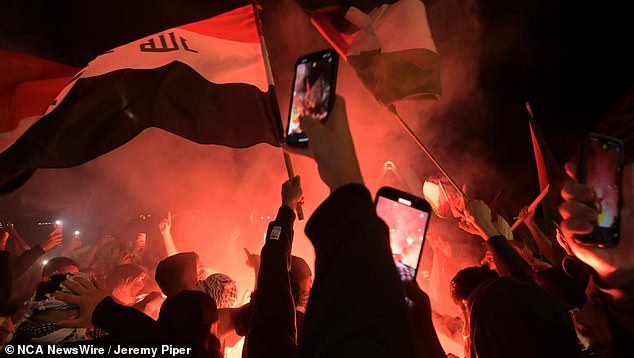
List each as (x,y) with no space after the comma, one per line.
(141,239)
(407,217)
(582,340)
(58,224)
(600,167)
(313,92)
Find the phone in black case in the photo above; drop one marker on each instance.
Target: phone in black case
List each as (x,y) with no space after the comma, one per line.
(407,216)
(313,92)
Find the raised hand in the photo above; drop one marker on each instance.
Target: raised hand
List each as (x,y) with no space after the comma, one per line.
(477,219)
(615,265)
(526,215)
(253,260)
(332,148)
(53,240)
(86,297)
(165,226)
(292,192)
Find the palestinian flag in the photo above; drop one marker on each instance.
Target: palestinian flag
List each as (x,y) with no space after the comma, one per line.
(388,43)
(205,81)
(549,174)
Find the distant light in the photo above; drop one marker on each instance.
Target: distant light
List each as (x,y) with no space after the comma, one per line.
(44,262)
(76,232)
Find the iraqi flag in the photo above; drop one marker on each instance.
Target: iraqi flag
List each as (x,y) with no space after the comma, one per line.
(205,81)
(388,43)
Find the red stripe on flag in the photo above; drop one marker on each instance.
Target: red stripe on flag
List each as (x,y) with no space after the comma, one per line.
(32,98)
(28,85)
(542,170)
(237,25)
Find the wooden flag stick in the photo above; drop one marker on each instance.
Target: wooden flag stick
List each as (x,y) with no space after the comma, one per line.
(422,146)
(291,175)
(271,82)
(532,207)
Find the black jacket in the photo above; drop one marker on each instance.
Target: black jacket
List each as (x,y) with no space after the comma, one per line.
(272,331)
(357,306)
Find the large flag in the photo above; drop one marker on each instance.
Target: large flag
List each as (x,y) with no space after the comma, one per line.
(389,44)
(205,81)
(549,174)
(547,169)
(27,86)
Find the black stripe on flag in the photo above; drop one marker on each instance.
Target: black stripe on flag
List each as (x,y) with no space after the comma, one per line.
(102,113)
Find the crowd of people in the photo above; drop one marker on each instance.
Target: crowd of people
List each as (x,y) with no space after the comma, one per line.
(556,297)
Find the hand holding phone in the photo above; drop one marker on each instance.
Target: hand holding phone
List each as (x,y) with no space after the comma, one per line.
(614,265)
(313,92)
(601,169)
(332,148)
(407,216)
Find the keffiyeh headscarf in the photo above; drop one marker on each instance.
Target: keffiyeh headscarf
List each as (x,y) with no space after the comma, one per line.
(222,288)
(31,330)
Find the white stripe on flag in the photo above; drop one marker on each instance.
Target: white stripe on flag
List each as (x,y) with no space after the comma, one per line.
(384,28)
(219,61)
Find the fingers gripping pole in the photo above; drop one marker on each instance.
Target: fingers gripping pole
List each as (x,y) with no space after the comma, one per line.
(291,175)
(531,207)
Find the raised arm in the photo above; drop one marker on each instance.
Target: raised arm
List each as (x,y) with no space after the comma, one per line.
(272,330)
(357,304)
(22,263)
(544,245)
(165,227)
(89,258)
(477,219)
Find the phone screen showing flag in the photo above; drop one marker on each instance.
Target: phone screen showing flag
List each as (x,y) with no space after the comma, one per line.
(313,87)
(407,226)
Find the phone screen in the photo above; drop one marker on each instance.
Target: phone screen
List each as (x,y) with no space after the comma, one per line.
(603,164)
(408,226)
(313,89)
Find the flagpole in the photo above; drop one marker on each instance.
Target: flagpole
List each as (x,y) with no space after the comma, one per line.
(422,146)
(271,82)
(529,110)
(532,207)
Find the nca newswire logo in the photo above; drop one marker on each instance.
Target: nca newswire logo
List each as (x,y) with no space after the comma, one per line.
(30,349)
